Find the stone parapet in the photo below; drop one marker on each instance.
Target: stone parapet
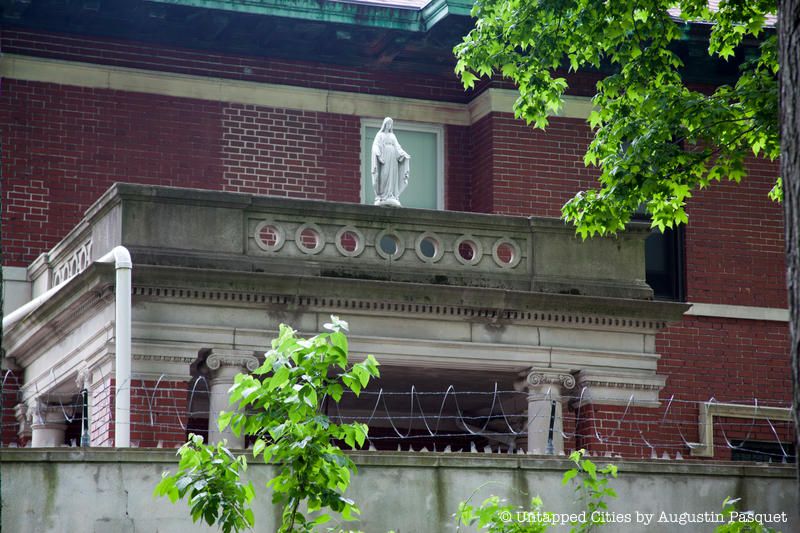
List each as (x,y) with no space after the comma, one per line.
(238,232)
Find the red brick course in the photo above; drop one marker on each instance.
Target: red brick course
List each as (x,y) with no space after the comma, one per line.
(64,146)
(734,243)
(457,167)
(159,413)
(362,79)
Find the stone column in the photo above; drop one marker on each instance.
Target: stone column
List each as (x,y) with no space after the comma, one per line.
(221,367)
(47,424)
(546,387)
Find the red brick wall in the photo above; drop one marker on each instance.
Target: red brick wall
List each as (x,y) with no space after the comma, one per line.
(64,146)
(272,151)
(732,360)
(518,170)
(629,432)
(457,168)
(665,432)
(362,79)
(159,412)
(734,243)
(704,358)
(299,154)
(535,172)
(481,187)
(341,154)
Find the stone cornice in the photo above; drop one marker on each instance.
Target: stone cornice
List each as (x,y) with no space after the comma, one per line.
(619,381)
(492,306)
(618,388)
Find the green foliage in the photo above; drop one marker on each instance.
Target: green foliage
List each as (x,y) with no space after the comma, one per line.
(210,475)
(281,405)
(496,516)
(591,488)
(736,523)
(776,193)
(656,140)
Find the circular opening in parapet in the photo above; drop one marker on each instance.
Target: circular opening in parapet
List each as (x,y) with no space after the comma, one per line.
(388,245)
(467,250)
(506,253)
(269,236)
(349,241)
(429,247)
(308,239)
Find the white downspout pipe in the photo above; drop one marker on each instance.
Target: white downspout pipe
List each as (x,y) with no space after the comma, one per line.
(122,335)
(18,314)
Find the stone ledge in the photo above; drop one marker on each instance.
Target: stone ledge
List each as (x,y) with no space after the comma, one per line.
(419,459)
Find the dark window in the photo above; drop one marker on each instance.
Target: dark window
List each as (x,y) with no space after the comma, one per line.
(664,264)
(763,452)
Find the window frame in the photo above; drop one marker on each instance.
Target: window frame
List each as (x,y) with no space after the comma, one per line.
(366,151)
(677,257)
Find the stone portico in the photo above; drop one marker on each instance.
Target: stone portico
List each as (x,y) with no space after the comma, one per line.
(452,298)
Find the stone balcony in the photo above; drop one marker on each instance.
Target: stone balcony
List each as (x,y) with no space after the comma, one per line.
(237,232)
(436,296)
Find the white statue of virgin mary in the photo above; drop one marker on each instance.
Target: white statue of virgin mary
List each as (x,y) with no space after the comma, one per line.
(390,166)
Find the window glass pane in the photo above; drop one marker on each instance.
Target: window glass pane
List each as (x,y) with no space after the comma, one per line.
(665,265)
(421,191)
(763,452)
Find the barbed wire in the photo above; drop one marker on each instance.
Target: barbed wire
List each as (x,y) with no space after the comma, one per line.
(498,419)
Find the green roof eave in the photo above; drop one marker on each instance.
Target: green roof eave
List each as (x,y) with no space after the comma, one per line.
(360,14)
(436,10)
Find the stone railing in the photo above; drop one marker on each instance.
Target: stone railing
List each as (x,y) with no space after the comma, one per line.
(230,231)
(67,259)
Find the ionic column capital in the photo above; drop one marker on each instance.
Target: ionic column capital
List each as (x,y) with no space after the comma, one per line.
(538,377)
(40,413)
(221,365)
(241,359)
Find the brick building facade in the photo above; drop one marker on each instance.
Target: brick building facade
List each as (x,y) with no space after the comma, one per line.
(85,106)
